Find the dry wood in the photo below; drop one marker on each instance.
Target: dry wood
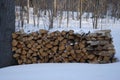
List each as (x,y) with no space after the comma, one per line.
(71,32)
(68,48)
(34,49)
(49,46)
(64,41)
(54,49)
(16,55)
(24,52)
(71,37)
(29,45)
(63,46)
(91,56)
(107,59)
(20,61)
(64,54)
(78,51)
(28,61)
(81,45)
(44,54)
(30,38)
(14,35)
(42,31)
(18,51)
(60,38)
(14,43)
(14,48)
(34,54)
(76,46)
(63,33)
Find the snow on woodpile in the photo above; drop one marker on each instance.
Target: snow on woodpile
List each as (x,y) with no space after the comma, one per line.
(62,47)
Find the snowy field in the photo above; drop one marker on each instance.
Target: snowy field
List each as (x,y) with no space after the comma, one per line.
(68,71)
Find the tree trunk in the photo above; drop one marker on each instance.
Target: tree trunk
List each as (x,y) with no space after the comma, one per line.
(28,11)
(7,27)
(51,16)
(55,8)
(80,13)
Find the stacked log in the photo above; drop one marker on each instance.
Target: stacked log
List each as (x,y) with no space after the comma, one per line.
(63,47)
(100,45)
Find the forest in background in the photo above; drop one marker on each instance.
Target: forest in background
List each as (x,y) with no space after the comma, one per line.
(99,9)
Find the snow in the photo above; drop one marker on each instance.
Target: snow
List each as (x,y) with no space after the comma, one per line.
(73,71)
(116,39)
(68,71)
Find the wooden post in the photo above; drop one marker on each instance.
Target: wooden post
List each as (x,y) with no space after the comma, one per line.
(7,27)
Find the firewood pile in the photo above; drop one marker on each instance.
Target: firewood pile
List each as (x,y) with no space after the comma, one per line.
(63,47)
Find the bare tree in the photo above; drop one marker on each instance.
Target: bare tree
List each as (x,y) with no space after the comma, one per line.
(55,8)
(51,16)
(80,13)
(28,11)
(21,13)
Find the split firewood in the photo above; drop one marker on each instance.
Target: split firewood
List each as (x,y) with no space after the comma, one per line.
(49,46)
(78,51)
(65,46)
(20,61)
(91,56)
(42,31)
(63,33)
(14,48)
(71,32)
(54,49)
(62,47)
(16,55)
(14,35)
(29,46)
(14,43)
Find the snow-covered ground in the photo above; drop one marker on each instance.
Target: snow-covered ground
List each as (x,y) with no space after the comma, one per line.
(73,71)
(68,71)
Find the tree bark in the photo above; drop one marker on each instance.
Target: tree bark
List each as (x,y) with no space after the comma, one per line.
(7,27)
(80,13)
(28,5)
(55,8)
